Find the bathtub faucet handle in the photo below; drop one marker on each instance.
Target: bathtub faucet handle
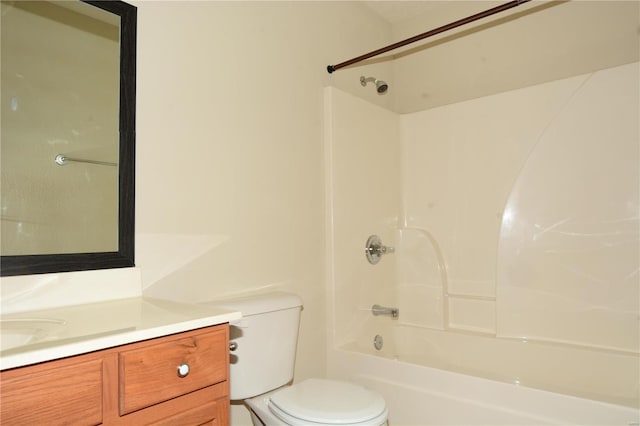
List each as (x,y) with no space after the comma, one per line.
(374,249)
(385,249)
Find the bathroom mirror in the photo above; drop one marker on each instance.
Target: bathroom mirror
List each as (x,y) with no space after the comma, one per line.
(67,140)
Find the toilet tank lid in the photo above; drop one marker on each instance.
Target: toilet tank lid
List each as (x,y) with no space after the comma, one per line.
(259,303)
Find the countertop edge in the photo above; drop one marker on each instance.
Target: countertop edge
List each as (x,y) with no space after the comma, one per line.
(91,344)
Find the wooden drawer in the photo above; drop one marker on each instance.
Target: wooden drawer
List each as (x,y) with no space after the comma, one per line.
(149,375)
(36,395)
(208,406)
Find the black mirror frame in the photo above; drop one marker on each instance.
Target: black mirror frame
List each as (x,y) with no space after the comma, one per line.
(124,257)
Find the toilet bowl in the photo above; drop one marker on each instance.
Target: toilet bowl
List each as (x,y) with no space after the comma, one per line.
(319,402)
(261,369)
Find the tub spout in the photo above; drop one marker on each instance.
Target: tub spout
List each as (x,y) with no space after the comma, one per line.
(382,310)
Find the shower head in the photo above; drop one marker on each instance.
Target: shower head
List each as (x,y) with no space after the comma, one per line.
(381,86)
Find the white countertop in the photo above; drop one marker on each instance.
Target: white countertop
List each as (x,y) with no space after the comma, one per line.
(73,330)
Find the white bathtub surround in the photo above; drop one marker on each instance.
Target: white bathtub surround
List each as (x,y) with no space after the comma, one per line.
(569,252)
(599,375)
(363,173)
(517,249)
(418,395)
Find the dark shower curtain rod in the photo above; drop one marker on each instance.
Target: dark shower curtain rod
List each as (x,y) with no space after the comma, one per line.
(447,27)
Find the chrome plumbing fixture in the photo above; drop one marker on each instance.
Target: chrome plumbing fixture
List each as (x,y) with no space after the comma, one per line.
(378,342)
(381,86)
(375,249)
(383,310)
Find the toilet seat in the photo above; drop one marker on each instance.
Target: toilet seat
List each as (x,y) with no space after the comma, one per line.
(328,402)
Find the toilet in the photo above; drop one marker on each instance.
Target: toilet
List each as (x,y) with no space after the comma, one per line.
(262,368)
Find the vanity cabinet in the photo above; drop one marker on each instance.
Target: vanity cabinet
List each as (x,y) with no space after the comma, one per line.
(180,379)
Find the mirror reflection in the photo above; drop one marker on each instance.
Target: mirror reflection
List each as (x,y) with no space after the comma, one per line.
(62,178)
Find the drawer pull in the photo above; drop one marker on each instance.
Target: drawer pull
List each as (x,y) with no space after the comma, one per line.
(183,370)
(233,346)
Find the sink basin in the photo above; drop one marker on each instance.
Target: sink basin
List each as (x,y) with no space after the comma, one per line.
(24,331)
(11,339)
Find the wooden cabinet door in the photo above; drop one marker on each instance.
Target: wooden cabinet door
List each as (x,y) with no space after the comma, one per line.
(59,391)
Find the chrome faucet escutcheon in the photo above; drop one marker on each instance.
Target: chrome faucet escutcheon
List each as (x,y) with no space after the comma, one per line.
(374,249)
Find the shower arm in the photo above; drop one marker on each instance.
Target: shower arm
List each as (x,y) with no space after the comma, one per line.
(447,27)
(364,81)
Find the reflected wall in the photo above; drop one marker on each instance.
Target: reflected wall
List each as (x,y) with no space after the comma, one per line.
(60,95)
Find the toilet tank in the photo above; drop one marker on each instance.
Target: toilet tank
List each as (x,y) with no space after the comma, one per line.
(266,339)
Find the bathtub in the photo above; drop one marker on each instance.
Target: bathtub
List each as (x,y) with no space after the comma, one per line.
(433,377)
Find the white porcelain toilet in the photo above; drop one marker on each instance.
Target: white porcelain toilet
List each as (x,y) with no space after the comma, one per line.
(262,368)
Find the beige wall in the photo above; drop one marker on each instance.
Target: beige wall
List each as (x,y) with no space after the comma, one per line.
(230,176)
(229,150)
(230,171)
(230,155)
